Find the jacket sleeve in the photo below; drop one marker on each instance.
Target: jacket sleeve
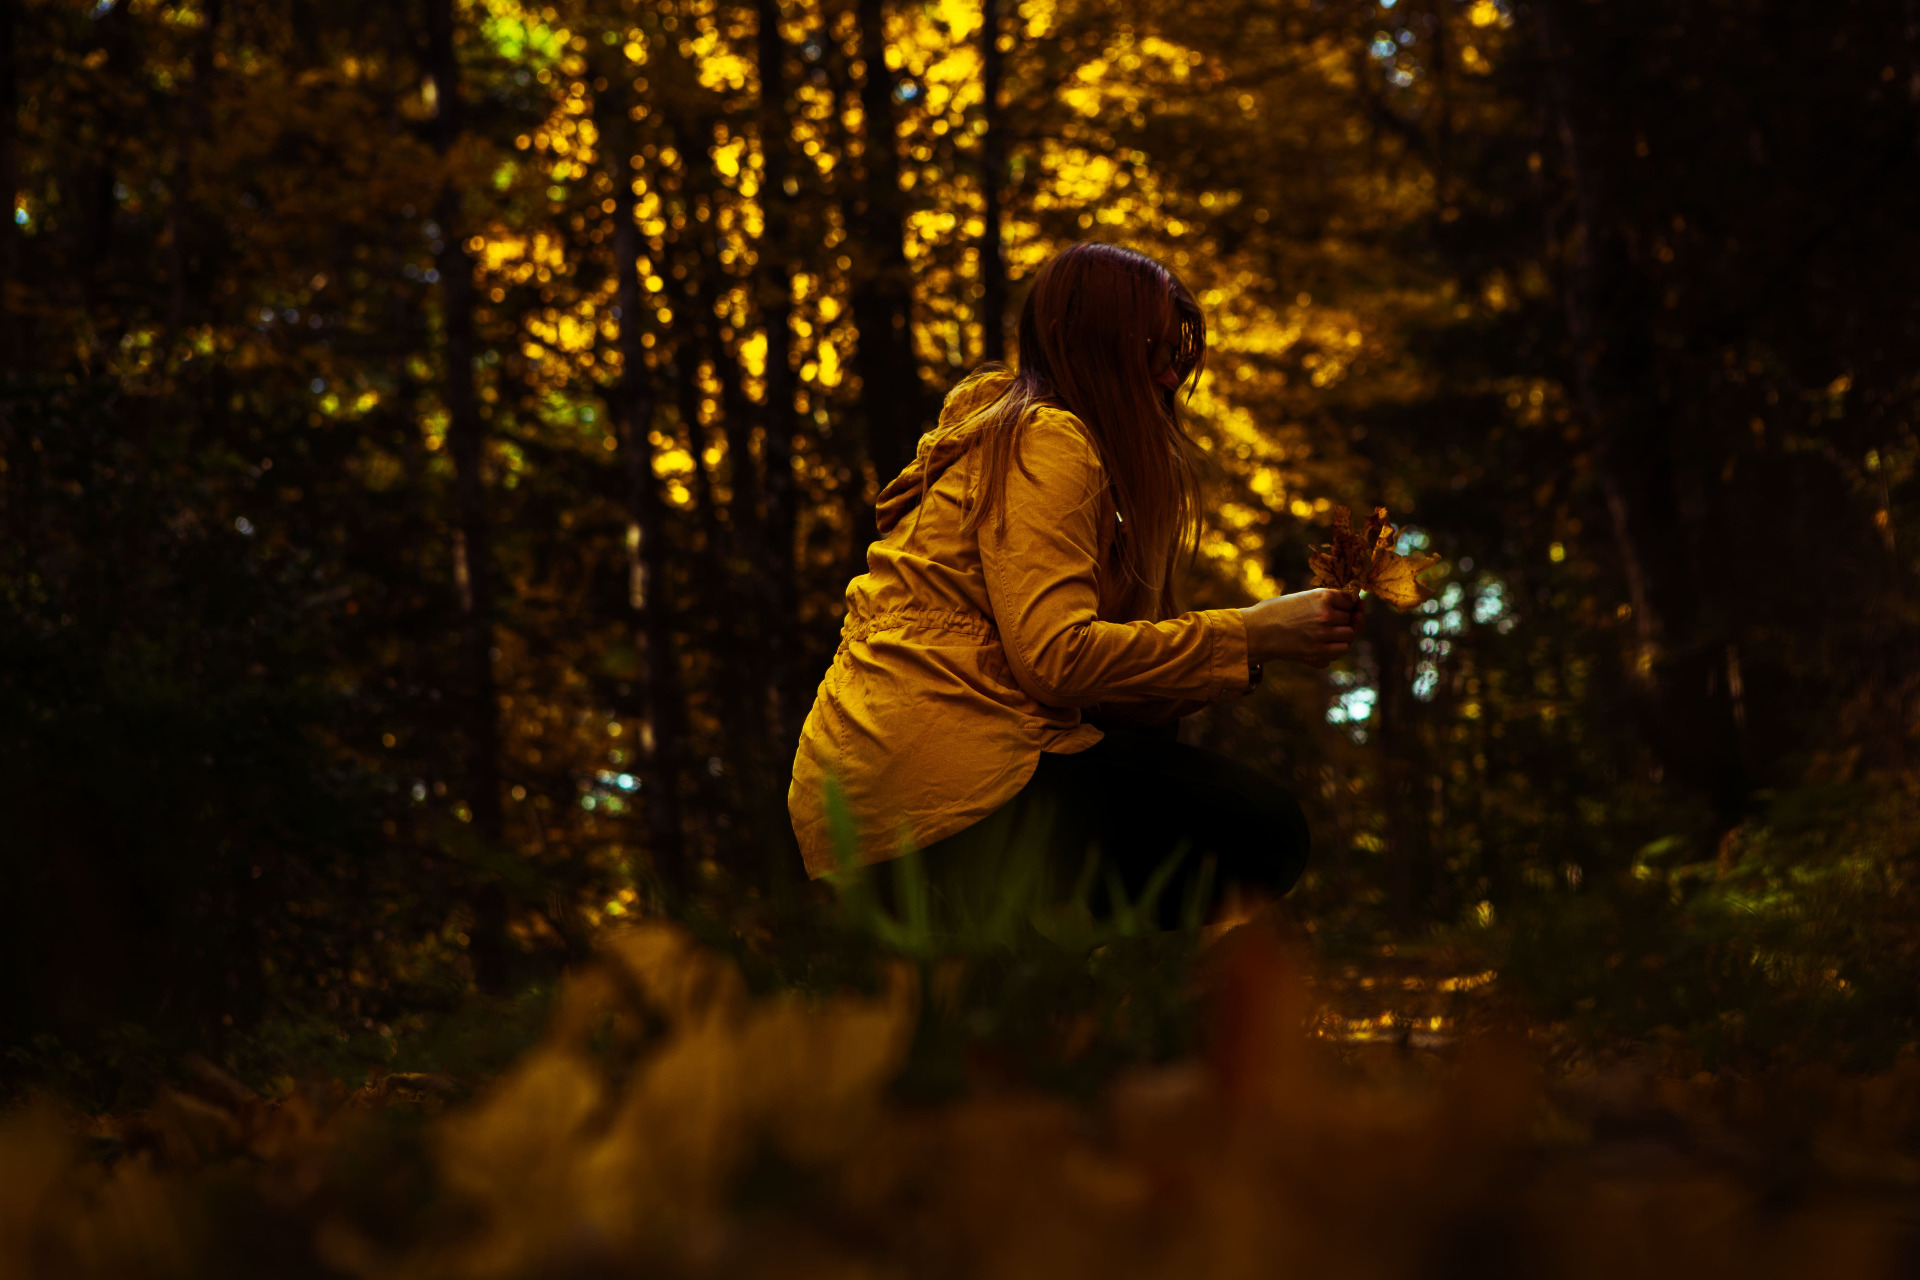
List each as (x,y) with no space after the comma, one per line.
(1040,554)
(1143,713)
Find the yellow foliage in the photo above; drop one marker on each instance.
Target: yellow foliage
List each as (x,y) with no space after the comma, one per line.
(557,1154)
(638,1139)
(727,157)
(575,333)
(753,355)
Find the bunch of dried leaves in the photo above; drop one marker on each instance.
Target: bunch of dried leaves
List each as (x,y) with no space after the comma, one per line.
(1368,562)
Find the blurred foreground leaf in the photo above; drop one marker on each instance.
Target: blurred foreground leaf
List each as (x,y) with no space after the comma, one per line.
(670,1123)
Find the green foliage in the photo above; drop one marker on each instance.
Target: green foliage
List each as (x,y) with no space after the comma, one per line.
(1794,938)
(1046,993)
(1026,990)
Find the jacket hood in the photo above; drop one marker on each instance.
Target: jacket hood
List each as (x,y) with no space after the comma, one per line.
(941,447)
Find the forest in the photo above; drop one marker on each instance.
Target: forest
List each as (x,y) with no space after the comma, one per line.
(435,440)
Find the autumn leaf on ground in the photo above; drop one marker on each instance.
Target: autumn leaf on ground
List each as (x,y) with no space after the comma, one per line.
(1367,562)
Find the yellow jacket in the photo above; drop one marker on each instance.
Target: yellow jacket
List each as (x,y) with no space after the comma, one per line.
(963,656)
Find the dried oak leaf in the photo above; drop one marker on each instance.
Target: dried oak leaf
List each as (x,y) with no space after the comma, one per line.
(1367,562)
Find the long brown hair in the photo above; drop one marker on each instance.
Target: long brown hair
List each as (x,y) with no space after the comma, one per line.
(1087,336)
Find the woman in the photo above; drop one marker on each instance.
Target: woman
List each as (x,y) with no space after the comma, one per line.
(1011,643)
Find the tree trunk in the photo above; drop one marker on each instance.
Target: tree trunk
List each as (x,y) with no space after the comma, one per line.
(774,295)
(10,354)
(738,592)
(473,559)
(993,176)
(724,597)
(184,217)
(650,596)
(756,609)
(1608,305)
(1596,277)
(98,206)
(736,597)
(715,593)
(699,248)
(882,294)
(848,441)
(1409,871)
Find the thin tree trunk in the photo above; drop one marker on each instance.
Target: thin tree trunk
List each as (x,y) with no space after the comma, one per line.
(697,340)
(10,354)
(700,244)
(183,215)
(473,562)
(663,742)
(1608,307)
(1407,870)
(633,401)
(752,632)
(1393,736)
(715,590)
(848,445)
(774,295)
(993,176)
(1443,179)
(1913,68)
(738,413)
(890,392)
(722,592)
(98,203)
(1582,300)
(733,593)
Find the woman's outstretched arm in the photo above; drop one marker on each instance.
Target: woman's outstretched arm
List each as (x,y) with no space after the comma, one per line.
(1040,550)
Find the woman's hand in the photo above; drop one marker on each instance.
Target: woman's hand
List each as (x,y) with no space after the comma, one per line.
(1313,627)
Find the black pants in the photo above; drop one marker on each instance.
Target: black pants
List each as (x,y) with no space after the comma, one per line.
(1139,823)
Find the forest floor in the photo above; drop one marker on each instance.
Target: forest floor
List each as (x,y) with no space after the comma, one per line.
(671,1121)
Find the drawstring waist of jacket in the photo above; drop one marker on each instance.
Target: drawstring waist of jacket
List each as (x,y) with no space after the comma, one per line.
(950,621)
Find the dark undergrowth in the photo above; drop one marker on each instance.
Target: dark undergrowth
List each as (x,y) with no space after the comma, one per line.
(818,1087)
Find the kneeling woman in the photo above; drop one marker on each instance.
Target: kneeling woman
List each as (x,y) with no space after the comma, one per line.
(1008,673)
